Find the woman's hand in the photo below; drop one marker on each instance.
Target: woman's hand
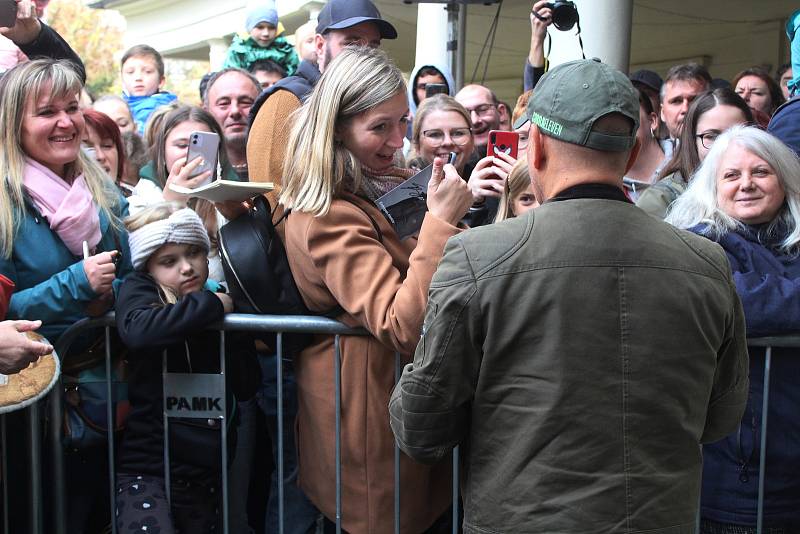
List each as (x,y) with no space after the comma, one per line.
(226,300)
(488,178)
(101,271)
(449,197)
(27,27)
(180,174)
(17,351)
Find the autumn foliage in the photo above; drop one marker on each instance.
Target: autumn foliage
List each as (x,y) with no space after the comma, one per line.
(95,35)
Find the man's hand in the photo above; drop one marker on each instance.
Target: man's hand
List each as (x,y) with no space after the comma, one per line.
(27,28)
(539,32)
(17,351)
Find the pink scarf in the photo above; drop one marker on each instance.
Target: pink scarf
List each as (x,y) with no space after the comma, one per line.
(70,209)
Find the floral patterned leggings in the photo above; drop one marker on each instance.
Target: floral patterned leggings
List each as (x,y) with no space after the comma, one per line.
(142,506)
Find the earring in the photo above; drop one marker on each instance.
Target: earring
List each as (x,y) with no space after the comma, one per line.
(653,133)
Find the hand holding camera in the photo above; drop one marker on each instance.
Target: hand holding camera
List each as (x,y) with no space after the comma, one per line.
(562,13)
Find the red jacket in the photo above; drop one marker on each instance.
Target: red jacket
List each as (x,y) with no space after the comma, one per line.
(6,288)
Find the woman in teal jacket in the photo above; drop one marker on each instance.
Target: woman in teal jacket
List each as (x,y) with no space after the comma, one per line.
(61,239)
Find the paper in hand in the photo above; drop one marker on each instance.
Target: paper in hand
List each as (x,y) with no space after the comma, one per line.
(405,205)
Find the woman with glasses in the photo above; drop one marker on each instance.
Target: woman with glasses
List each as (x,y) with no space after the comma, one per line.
(709,115)
(441,126)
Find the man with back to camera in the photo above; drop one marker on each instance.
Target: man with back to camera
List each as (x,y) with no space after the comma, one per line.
(580,353)
(340,23)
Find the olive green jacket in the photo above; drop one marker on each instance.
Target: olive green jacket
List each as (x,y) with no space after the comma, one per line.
(580,355)
(657,198)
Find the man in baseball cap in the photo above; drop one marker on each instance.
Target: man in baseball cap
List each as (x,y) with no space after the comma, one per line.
(582,352)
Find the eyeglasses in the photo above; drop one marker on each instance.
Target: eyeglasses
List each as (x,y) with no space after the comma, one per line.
(459,136)
(482,110)
(707,138)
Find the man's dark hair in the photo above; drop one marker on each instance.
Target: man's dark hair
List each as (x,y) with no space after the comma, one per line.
(144,50)
(430,71)
(686,72)
(211,78)
(267,65)
(781,71)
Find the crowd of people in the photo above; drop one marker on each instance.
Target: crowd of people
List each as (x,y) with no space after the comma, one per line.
(574,314)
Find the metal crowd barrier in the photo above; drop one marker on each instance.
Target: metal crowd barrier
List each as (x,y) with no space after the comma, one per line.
(280,325)
(233,322)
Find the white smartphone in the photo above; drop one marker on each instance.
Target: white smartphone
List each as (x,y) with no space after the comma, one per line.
(205,145)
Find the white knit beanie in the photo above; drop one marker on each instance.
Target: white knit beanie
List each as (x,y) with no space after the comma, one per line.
(183,227)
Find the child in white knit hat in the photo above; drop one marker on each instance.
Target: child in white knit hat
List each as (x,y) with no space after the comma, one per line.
(163,311)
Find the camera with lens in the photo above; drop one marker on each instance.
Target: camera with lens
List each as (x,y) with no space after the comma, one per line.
(565,14)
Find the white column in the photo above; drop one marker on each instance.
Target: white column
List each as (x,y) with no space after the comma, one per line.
(432,35)
(606,33)
(218,51)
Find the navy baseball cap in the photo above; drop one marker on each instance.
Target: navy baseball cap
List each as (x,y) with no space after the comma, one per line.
(649,78)
(341,14)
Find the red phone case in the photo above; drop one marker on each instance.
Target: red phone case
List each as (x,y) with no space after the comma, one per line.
(503,141)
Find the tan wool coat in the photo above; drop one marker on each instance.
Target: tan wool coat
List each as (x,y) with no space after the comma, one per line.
(382,284)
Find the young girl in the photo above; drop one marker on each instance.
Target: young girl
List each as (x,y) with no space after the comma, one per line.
(518,197)
(165,305)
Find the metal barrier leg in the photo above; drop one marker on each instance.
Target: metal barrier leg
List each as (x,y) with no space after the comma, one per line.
(762,461)
(337,377)
(57,476)
(456,472)
(224,437)
(35,453)
(112,474)
(279,373)
(4,467)
(398,369)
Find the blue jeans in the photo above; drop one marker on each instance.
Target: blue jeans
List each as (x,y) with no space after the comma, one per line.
(299,515)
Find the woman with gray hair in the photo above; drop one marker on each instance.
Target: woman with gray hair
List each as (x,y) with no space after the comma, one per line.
(746,197)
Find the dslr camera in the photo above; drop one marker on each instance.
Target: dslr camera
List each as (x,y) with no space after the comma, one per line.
(565,14)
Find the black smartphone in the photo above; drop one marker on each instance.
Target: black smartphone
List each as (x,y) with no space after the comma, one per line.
(8,13)
(434,89)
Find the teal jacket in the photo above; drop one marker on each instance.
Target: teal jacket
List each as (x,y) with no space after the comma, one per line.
(243,52)
(51,284)
(148,172)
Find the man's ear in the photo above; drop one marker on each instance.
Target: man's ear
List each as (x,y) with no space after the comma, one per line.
(319,48)
(536,155)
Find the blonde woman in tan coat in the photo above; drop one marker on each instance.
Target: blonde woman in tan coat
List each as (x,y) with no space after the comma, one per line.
(341,157)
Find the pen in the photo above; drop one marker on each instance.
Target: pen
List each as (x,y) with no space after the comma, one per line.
(85,250)
(452,159)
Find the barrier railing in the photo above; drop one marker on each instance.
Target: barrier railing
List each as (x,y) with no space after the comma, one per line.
(280,325)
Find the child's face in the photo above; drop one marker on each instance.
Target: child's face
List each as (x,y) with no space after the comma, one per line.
(264,33)
(525,202)
(140,76)
(182,268)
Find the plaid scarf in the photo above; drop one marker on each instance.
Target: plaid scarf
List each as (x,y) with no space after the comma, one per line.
(375,184)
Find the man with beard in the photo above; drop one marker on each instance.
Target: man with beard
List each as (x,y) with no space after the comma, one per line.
(229,95)
(340,23)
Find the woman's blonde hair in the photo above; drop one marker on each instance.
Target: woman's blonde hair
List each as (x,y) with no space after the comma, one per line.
(440,102)
(151,214)
(517,182)
(357,80)
(20,86)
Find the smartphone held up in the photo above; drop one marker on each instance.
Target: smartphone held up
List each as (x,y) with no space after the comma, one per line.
(502,141)
(206,146)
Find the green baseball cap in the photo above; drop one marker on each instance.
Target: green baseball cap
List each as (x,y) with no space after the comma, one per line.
(569,98)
